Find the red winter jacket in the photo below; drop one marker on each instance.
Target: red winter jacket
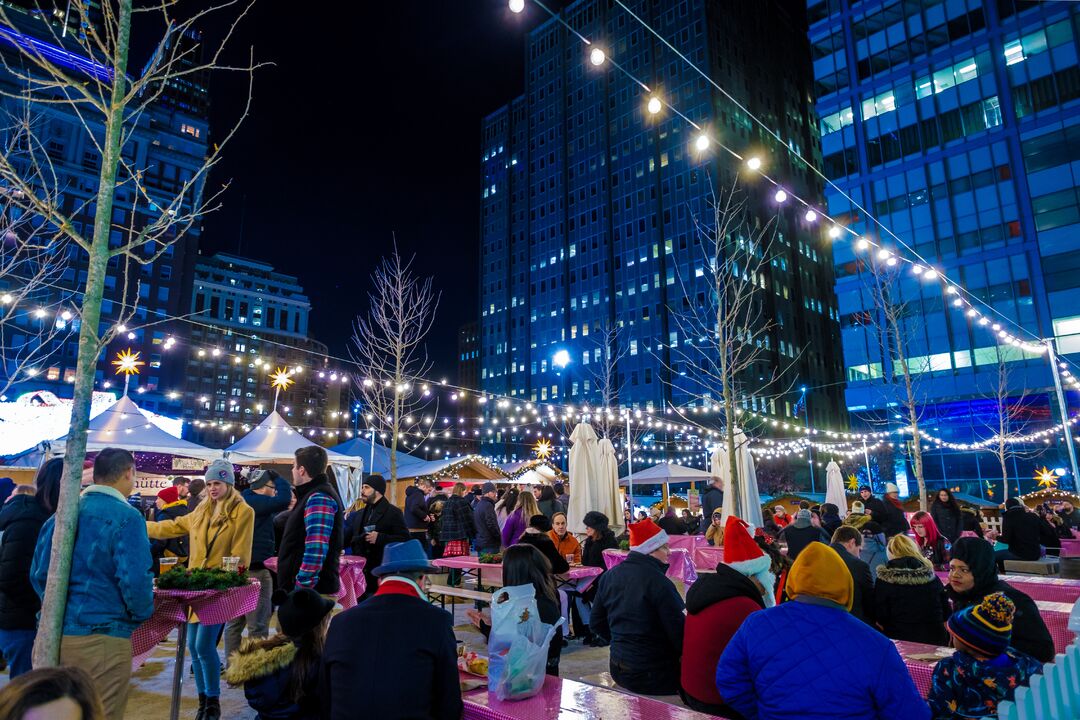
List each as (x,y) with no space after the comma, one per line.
(705,636)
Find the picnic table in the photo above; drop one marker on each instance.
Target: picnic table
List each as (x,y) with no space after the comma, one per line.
(687,542)
(1039,587)
(561,699)
(920,660)
(172,610)
(1056,617)
(351,575)
(707,557)
(579,578)
(680,566)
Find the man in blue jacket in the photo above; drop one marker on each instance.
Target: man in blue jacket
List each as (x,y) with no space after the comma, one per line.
(268,494)
(111,590)
(811,659)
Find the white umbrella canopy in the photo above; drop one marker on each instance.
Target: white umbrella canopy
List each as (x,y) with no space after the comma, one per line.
(834,488)
(607,497)
(584,472)
(749,508)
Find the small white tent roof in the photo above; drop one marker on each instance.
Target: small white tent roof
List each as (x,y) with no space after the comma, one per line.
(473,467)
(360,448)
(275,441)
(665,473)
(123,425)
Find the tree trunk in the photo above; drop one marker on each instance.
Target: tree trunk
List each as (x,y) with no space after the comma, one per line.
(913,418)
(50,625)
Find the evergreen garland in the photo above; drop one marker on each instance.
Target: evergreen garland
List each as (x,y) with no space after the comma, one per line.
(180,578)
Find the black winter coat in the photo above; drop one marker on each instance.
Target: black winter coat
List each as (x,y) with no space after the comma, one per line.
(797,538)
(265,668)
(456,521)
(1021,531)
(409,643)
(829,523)
(266,507)
(712,499)
(543,543)
(416,508)
(876,507)
(20,522)
(672,525)
(910,602)
(638,608)
(1029,633)
(862,605)
(592,550)
(948,519)
(895,522)
(389,522)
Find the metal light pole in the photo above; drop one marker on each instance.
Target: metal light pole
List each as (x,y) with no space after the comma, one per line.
(629,465)
(1064,407)
(371,467)
(809,447)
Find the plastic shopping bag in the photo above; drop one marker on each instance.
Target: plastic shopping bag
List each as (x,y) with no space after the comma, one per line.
(518,644)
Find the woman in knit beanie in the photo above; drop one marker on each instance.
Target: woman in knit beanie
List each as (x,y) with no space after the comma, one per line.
(984,670)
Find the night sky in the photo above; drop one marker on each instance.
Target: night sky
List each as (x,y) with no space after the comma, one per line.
(368,126)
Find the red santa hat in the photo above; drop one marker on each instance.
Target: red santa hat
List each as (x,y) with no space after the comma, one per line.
(646,537)
(744,555)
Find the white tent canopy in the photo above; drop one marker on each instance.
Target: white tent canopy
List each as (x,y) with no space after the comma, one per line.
(361,448)
(584,474)
(604,491)
(665,474)
(123,425)
(275,441)
(834,488)
(749,508)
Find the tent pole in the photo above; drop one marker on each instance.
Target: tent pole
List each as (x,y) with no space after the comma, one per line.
(371,467)
(630,465)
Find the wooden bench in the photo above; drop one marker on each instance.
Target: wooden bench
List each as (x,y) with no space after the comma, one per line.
(445,591)
(1042,566)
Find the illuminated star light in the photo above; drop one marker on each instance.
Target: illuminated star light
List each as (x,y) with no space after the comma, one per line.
(281,379)
(542,449)
(127,362)
(1047,479)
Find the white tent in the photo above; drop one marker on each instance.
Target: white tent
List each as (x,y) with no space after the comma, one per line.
(379,462)
(584,473)
(605,491)
(274,441)
(665,474)
(749,508)
(123,425)
(834,488)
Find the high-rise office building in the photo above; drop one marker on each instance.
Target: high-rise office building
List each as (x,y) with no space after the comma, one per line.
(589,204)
(957,124)
(166,145)
(251,321)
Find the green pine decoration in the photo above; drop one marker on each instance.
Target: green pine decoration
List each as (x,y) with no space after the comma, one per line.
(180,578)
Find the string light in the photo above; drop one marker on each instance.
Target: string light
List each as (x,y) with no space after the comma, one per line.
(654,105)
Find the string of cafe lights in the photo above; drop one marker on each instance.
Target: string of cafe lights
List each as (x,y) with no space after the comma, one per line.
(974,309)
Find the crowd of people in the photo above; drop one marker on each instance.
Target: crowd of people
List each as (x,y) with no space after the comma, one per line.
(824,587)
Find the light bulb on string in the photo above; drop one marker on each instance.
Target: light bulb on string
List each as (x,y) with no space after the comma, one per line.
(834,232)
(654,105)
(780,196)
(811,216)
(597,57)
(702,142)
(754,163)
(517,6)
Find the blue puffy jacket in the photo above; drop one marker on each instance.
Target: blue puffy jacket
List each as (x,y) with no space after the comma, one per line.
(809,661)
(111,591)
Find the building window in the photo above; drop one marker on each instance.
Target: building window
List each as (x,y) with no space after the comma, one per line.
(190,130)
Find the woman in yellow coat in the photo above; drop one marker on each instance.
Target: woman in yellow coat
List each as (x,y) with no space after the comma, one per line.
(220,526)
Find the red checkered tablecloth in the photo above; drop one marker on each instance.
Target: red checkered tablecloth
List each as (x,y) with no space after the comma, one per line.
(708,557)
(921,669)
(1037,587)
(171,610)
(350,574)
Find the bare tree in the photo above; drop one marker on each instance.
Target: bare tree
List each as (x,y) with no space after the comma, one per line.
(106,101)
(35,318)
(608,348)
(388,348)
(1009,415)
(895,322)
(725,333)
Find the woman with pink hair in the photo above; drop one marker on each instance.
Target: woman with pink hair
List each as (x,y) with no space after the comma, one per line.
(931,542)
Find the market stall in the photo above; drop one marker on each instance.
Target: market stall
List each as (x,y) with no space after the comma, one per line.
(275,442)
(376,457)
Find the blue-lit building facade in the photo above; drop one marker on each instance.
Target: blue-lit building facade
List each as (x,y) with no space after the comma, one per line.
(957,124)
(588,207)
(167,144)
